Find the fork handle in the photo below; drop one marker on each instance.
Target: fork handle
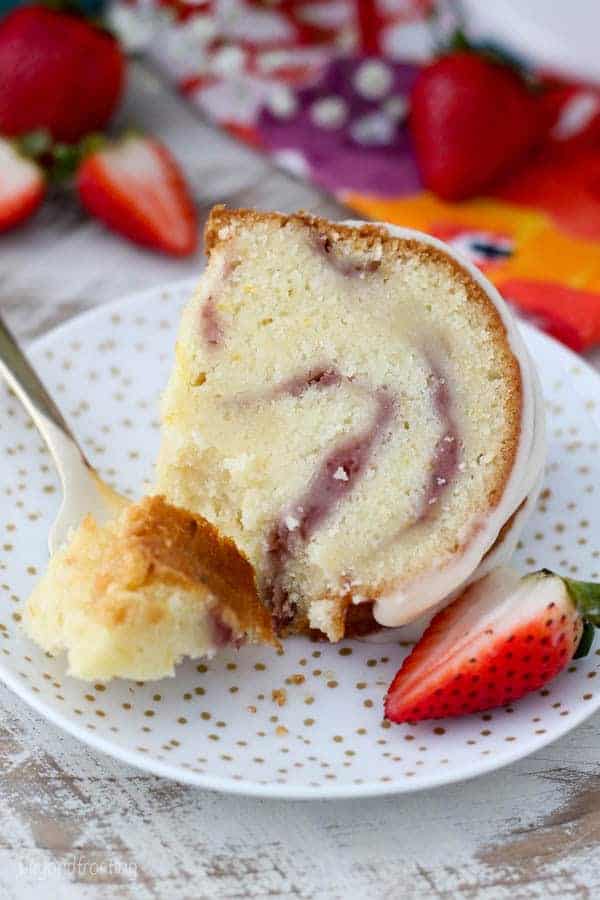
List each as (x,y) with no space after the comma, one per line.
(24,381)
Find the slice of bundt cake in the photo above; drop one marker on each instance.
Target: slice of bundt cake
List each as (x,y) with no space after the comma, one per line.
(352,406)
(134,597)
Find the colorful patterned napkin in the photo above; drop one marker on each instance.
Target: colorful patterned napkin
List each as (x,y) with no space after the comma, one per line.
(324,87)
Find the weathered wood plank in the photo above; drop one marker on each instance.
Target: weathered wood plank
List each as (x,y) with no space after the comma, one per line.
(528,831)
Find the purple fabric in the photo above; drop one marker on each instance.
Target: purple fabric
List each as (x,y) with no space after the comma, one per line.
(335,155)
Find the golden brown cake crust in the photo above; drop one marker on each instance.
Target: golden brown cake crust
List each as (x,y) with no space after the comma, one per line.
(222,225)
(164,543)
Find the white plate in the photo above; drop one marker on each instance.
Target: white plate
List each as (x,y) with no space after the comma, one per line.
(217,725)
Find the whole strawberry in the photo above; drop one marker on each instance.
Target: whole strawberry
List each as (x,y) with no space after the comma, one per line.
(502,638)
(57,72)
(472,118)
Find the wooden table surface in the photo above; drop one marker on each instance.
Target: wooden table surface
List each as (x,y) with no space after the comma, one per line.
(76,824)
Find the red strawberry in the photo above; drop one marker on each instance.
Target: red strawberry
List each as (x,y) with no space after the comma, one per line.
(503,637)
(22,186)
(136,188)
(569,314)
(58,72)
(471,120)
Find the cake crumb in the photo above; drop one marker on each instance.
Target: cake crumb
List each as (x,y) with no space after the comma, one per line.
(297,678)
(251,709)
(235,464)
(279,696)
(281,731)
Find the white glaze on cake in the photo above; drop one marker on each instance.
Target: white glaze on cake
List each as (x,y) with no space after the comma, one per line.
(410,601)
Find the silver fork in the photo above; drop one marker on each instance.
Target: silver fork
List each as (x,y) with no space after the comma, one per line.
(83,489)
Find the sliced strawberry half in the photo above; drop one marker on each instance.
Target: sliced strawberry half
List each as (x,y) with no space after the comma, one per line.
(136,188)
(22,186)
(503,637)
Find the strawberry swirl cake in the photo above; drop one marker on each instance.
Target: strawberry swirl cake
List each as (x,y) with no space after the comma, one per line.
(353,406)
(132,597)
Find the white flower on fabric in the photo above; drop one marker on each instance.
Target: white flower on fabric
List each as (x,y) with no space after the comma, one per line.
(241,22)
(282,102)
(234,99)
(228,61)
(182,48)
(136,26)
(329,112)
(327,14)
(396,108)
(373,79)
(374,129)
(408,41)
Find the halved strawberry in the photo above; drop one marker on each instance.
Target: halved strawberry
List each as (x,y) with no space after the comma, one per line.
(136,188)
(22,186)
(503,637)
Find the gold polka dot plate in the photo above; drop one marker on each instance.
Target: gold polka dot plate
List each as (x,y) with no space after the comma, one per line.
(306,723)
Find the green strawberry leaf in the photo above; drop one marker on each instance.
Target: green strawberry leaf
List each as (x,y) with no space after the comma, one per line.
(585,642)
(586,597)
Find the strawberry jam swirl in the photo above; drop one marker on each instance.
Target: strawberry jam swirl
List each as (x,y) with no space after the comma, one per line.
(342,467)
(336,476)
(346,266)
(212,328)
(222,633)
(210,323)
(445,458)
(446,453)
